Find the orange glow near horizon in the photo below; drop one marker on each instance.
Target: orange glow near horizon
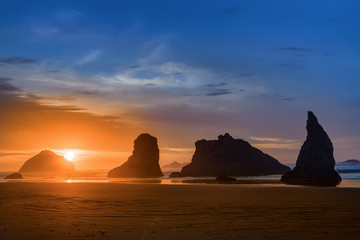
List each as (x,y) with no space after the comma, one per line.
(29,127)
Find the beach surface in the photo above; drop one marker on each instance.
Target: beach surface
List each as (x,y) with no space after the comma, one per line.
(36,210)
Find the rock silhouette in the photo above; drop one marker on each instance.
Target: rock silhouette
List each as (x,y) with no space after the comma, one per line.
(47,161)
(143,163)
(225,179)
(351,162)
(230,157)
(315,163)
(16,175)
(176,175)
(174,166)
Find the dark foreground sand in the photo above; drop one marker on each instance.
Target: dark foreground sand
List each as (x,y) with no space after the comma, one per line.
(155,211)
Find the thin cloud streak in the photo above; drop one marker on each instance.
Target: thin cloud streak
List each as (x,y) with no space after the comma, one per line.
(17,60)
(91,57)
(5,86)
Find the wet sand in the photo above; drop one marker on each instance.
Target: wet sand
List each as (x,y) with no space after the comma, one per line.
(184,211)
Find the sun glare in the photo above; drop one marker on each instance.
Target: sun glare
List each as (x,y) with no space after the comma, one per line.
(69,156)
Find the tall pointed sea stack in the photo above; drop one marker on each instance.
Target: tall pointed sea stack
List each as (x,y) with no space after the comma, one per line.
(143,163)
(315,163)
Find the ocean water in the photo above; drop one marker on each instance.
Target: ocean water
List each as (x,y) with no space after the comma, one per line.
(350,174)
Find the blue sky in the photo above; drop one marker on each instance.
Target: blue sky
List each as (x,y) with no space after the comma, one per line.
(186,70)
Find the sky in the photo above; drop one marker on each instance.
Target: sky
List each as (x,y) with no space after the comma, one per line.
(92,75)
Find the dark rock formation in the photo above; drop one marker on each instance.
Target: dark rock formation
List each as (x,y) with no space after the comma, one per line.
(16,175)
(176,175)
(47,161)
(225,179)
(315,163)
(143,163)
(351,162)
(174,166)
(230,157)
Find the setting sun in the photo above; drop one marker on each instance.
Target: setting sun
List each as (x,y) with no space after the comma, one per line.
(70,155)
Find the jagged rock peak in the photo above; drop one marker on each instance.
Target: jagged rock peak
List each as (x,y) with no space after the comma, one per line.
(315,163)
(225,137)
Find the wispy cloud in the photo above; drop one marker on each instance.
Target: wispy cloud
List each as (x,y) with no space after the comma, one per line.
(17,60)
(85,92)
(6,154)
(275,143)
(134,66)
(273,140)
(216,85)
(89,58)
(5,86)
(288,99)
(182,150)
(219,92)
(167,74)
(27,117)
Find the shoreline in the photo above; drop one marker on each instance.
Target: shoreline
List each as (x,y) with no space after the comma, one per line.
(346,183)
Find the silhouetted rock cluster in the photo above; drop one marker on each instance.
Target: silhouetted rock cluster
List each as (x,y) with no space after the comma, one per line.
(143,163)
(220,158)
(47,161)
(230,157)
(315,163)
(16,175)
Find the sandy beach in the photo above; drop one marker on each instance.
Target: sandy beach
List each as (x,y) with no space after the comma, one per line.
(178,211)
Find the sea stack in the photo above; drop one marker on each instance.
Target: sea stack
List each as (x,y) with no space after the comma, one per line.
(229,157)
(315,163)
(16,175)
(174,166)
(143,163)
(47,162)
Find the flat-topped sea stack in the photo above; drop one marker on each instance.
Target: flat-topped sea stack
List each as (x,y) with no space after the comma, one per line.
(229,157)
(143,163)
(47,162)
(315,163)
